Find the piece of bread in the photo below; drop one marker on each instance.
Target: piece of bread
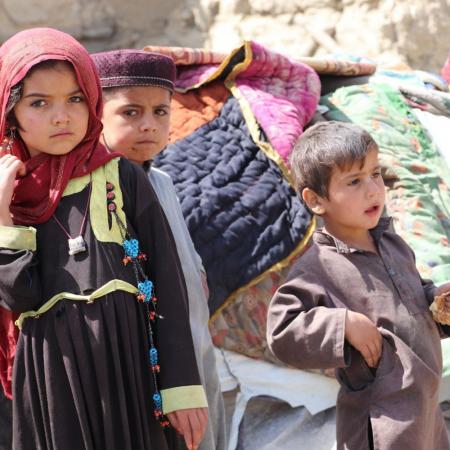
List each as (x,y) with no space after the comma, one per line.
(440,313)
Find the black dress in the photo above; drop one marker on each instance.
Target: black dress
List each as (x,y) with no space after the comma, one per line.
(81,372)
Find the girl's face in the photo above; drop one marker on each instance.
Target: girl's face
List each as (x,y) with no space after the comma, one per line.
(136,121)
(52,113)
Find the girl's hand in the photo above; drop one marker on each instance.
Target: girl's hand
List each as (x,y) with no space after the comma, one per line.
(362,333)
(191,423)
(10,167)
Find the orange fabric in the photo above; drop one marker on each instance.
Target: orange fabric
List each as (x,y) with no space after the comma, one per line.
(195,108)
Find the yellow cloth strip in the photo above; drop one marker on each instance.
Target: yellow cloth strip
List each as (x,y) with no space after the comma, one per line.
(254,128)
(223,65)
(18,238)
(255,131)
(76,185)
(240,67)
(183,397)
(111,286)
(275,268)
(98,208)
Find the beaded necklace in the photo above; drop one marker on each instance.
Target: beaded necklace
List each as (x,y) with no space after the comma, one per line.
(145,295)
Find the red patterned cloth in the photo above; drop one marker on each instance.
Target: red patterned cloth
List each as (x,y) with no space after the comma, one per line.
(9,334)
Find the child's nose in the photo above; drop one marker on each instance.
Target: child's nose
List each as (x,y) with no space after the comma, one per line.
(61,117)
(373,188)
(148,123)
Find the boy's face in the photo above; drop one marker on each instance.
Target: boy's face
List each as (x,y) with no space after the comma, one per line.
(356,198)
(136,121)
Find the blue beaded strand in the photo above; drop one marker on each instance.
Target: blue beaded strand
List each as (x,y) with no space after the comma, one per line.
(146,289)
(131,247)
(145,294)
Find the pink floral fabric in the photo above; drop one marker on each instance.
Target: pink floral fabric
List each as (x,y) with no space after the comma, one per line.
(283,94)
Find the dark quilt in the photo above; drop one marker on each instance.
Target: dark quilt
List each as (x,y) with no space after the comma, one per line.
(242,214)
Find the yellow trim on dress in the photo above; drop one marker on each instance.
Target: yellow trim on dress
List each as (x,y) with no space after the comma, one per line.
(76,185)
(98,208)
(111,286)
(18,238)
(183,397)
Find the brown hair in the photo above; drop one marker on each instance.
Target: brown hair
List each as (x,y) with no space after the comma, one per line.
(324,146)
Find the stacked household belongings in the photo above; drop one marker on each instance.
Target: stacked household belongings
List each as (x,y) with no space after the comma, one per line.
(235,119)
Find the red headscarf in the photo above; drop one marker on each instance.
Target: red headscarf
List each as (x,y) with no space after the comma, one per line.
(37,194)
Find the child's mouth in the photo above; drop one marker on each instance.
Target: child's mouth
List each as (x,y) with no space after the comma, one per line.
(61,134)
(147,142)
(372,210)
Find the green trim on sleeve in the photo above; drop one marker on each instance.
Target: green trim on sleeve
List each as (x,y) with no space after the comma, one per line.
(18,238)
(183,397)
(111,286)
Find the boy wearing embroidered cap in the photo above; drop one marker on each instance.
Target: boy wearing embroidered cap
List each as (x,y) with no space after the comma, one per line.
(137,88)
(84,251)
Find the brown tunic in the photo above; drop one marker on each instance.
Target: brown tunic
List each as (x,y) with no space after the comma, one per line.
(81,374)
(306,326)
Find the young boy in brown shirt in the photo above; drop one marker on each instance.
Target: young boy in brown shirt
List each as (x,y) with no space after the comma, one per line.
(356,302)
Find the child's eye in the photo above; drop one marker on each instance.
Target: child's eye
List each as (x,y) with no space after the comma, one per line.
(354,182)
(76,99)
(130,112)
(160,112)
(38,103)
(376,174)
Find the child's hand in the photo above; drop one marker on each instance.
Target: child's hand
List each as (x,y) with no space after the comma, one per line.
(444,289)
(10,166)
(361,332)
(447,301)
(440,308)
(191,423)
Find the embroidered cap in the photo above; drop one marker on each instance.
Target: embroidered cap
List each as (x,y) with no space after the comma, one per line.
(121,68)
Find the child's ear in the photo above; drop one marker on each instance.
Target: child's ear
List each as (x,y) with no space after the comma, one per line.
(313,201)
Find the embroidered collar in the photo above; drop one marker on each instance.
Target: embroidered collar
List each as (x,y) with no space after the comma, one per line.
(321,237)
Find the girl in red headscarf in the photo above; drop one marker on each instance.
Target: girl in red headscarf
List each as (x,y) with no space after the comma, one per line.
(84,250)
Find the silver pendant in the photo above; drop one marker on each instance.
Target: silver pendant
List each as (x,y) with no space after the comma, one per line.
(76,245)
